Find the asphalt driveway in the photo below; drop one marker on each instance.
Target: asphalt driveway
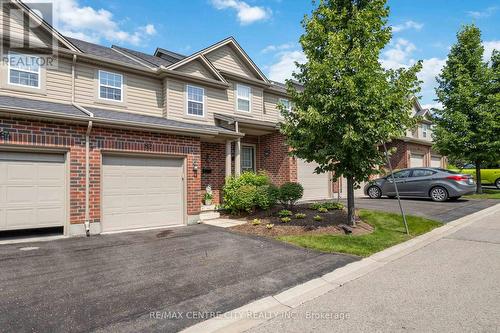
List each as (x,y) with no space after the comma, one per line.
(115,282)
(438,211)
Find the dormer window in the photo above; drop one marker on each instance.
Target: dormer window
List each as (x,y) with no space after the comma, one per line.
(286,103)
(110,86)
(243,102)
(24,70)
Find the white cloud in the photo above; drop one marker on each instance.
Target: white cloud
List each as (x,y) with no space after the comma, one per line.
(246,14)
(433,106)
(398,55)
(285,66)
(94,25)
(281,47)
(407,25)
(489,46)
(484,13)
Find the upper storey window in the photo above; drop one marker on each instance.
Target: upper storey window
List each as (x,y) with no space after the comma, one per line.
(243,98)
(286,103)
(24,70)
(425,130)
(110,86)
(195,101)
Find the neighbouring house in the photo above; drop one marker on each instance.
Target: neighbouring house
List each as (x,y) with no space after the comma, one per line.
(106,139)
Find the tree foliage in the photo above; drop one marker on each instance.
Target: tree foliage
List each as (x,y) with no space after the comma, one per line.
(468,126)
(349,103)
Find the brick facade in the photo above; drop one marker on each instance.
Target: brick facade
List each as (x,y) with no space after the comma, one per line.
(271,156)
(400,159)
(71,138)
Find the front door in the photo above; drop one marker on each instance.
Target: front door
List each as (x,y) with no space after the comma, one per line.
(247,158)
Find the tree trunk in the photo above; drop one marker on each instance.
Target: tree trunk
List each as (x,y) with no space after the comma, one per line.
(479,188)
(351,219)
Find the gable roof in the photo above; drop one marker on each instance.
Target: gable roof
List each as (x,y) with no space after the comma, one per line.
(228,41)
(34,16)
(204,62)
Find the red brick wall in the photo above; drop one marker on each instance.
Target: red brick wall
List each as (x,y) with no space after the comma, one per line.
(399,158)
(72,137)
(274,158)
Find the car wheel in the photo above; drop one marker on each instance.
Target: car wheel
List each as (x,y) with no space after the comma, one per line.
(497,183)
(439,194)
(374,192)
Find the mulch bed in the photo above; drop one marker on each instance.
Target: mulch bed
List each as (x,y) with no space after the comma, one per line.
(306,226)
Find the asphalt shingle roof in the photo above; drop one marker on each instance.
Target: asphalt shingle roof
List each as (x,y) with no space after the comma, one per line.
(101,51)
(151,59)
(43,106)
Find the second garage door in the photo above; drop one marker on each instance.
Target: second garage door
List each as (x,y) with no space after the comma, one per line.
(316,186)
(141,192)
(436,161)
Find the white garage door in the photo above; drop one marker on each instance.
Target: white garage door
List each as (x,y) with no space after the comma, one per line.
(436,161)
(32,190)
(316,186)
(141,192)
(416,160)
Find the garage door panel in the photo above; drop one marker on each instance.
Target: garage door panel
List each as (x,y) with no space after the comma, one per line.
(435,162)
(416,160)
(316,186)
(32,190)
(141,192)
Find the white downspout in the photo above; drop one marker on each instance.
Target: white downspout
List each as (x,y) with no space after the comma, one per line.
(87,150)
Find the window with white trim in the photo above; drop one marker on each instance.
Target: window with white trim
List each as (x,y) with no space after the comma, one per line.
(110,86)
(24,70)
(425,129)
(243,94)
(247,158)
(195,101)
(286,103)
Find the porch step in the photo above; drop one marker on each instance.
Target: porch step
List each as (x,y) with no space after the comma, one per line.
(208,213)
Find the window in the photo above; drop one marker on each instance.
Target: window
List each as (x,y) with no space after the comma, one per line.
(425,128)
(247,158)
(24,70)
(422,173)
(195,101)
(110,86)
(286,103)
(401,174)
(243,101)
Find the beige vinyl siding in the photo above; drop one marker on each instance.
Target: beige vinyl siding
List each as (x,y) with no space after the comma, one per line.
(196,68)
(271,112)
(58,85)
(12,23)
(225,58)
(141,94)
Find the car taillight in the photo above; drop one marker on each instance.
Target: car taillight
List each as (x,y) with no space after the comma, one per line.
(458,178)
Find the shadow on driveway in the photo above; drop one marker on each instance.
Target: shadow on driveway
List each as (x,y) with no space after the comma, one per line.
(114,282)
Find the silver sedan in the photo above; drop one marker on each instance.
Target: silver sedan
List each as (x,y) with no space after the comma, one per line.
(435,183)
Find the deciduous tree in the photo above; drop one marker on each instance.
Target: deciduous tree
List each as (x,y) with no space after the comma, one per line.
(349,103)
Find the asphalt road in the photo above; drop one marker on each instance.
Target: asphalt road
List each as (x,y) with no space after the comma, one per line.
(113,283)
(451,285)
(439,211)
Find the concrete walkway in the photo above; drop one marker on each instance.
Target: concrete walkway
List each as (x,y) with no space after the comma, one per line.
(449,285)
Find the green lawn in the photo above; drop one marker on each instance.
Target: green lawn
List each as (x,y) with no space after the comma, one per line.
(487,194)
(389,231)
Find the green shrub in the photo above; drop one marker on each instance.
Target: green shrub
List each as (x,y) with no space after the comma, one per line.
(315,205)
(284,213)
(249,191)
(269,226)
(285,219)
(328,205)
(300,216)
(289,194)
(317,218)
(322,210)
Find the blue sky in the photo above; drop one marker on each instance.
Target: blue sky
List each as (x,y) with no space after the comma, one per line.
(269,30)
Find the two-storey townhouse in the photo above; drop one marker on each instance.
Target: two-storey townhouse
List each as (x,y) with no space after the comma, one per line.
(415,149)
(107,139)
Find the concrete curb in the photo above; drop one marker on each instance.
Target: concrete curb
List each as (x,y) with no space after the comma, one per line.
(255,313)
